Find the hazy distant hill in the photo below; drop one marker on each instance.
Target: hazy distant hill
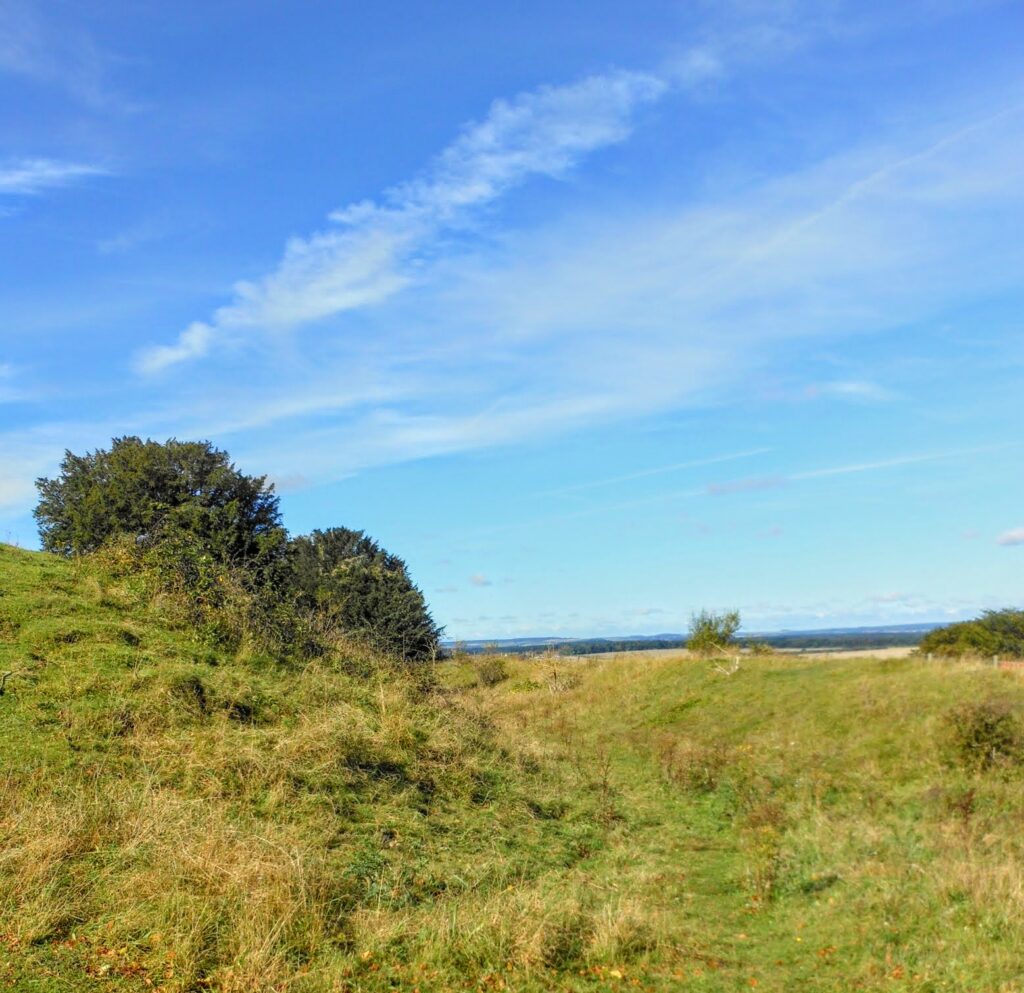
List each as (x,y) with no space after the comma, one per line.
(874,636)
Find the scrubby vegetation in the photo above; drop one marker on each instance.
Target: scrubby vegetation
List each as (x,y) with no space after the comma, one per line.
(996,632)
(713,633)
(151,492)
(187,811)
(181,812)
(183,514)
(347,578)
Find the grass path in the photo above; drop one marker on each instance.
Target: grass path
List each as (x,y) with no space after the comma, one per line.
(792,827)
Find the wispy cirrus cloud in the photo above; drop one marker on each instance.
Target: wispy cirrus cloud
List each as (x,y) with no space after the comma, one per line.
(895,463)
(630,477)
(585,319)
(850,389)
(7,390)
(28,177)
(374,248)
(1015,536)
(53,50)
(749,485)
(739,486)
(10,392)
(440,331)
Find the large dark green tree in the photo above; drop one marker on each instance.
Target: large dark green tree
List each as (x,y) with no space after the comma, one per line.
(365,590)
(158,490)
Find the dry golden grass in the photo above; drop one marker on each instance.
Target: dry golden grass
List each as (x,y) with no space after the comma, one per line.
(181,816)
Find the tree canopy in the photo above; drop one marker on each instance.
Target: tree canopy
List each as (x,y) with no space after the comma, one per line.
(348,577)
(996,632)
(204,523)
(149,490)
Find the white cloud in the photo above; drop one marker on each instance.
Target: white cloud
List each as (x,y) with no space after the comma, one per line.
(193,343)
(872,610)
(21,462)
(374,249)
(478,579)
(26,177)
(850,390)
(715,489)
(893,598)
(1015,536)
(587,318)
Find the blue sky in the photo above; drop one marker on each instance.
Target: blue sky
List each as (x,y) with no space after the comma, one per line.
(596,313)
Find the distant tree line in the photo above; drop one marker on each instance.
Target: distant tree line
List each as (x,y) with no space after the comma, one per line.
(838,641)
(844,641)
(208,528)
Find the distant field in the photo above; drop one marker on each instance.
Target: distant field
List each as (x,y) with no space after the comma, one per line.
(184,815)
(848,639)
(897,652)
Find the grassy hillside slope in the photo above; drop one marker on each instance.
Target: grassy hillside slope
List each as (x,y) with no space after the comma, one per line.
(797,825)
(184,815)
(174,814)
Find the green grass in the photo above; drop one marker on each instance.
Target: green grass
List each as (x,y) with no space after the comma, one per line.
(186,815)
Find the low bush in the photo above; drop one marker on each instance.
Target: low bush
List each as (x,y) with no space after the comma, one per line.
(491,670)
(712,634)
(981,736)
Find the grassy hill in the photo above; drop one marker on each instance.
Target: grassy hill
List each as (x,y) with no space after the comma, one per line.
(183,814)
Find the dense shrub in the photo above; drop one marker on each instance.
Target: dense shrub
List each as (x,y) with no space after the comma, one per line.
(996,632)
(153,491)
(211,537)
(347,579)
(978,736)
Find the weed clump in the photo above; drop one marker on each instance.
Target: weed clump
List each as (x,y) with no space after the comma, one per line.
(564,941)
(491,670)
(982,736)
(693,765)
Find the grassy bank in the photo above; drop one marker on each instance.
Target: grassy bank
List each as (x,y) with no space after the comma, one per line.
(183,814)
(797,824)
